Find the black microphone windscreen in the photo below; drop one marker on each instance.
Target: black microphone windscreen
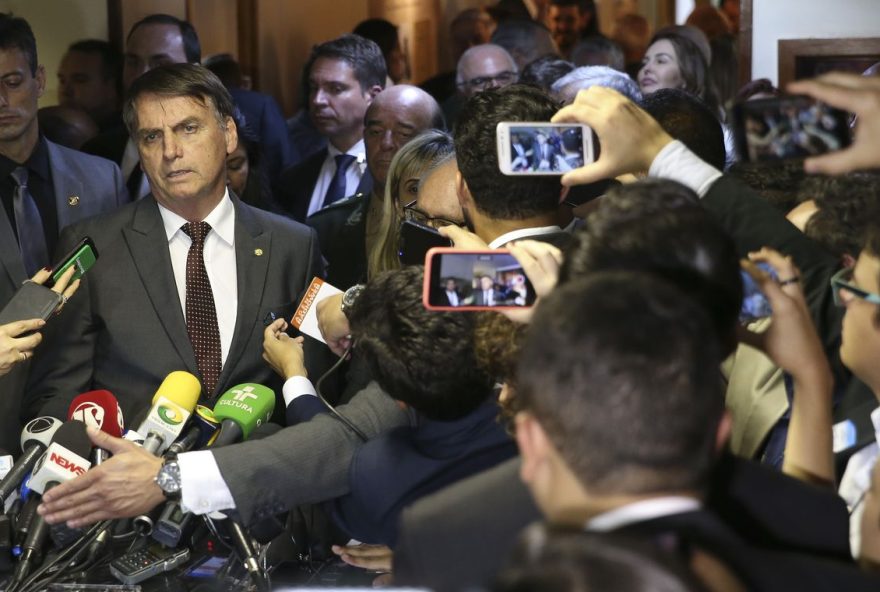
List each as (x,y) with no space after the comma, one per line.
(72,435)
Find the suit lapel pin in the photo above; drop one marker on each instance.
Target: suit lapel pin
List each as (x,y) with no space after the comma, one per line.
(258,252)
(73,200)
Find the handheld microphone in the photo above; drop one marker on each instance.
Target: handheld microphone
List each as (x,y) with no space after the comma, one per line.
(63,460)
(6,463)
(35,438)
(200,433)
(246,553)
(98,409)
(173,403)
(241,409)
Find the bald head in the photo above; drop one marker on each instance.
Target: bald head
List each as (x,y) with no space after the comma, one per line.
(395,116)
(437,193)
(483,67)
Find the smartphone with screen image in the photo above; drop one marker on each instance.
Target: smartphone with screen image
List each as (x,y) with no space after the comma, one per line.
(416,240)
(82,256)
(768,130)
(535,148)
(475,280)
(754,305)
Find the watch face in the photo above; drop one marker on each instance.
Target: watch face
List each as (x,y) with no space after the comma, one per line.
(168,478)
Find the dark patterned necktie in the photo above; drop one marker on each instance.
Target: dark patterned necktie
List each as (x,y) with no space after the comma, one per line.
(336,190)
(28,224)
(201,316)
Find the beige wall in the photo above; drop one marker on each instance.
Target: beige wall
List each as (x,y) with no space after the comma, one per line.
(56,25)
(286,32)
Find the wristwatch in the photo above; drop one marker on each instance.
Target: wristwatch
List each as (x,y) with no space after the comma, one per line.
(349,297)
(168,479)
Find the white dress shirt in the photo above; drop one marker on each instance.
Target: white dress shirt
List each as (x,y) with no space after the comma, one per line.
(677,163)
(642,511)
(328,169)
(219,255)
(856,482)
(521,233)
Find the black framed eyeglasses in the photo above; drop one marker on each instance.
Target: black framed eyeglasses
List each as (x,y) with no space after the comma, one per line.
(842,282)
(413,214)
(483,82)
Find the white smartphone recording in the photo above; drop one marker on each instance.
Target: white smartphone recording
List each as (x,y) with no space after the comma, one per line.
(535,148)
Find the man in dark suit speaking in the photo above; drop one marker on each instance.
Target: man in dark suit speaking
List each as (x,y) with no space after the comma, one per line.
(189,265)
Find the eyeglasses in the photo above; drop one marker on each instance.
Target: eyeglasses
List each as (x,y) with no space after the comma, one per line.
(841,282)
(413,214)
(484,82)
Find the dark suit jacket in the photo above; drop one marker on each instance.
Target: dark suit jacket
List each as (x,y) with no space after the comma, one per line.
(759,569)
(296,183)
(305,463)
(342,231)
(458,537)
(84,186)
(109,144)
(125,331)
(390,472)
(263,117)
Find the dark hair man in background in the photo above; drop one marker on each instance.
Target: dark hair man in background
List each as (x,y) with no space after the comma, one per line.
(343,76)
(153,41)
(90,78)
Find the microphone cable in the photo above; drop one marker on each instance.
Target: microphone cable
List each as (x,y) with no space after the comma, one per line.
(345,421)
(65,558)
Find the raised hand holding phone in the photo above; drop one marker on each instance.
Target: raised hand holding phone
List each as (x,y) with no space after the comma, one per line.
(792,343)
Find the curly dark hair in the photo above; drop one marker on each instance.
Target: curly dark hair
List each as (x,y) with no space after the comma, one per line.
(845,205)
(423,358)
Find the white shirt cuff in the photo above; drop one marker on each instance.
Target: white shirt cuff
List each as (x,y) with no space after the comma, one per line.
(202,488)
(677,163)
(297,386)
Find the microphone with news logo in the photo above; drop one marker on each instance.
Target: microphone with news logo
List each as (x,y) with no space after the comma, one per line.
(35,438)
(98,409)
(172,405)
(64,460)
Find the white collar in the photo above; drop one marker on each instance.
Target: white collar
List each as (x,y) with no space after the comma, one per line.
(875,419)
(358,150)
(221,219)
(641,511)
(513,235)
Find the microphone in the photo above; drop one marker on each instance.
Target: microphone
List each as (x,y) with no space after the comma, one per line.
(241,409)
(63,460)
(101,410)
(200,434)
(246,553)
(173,403)
(35,438)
